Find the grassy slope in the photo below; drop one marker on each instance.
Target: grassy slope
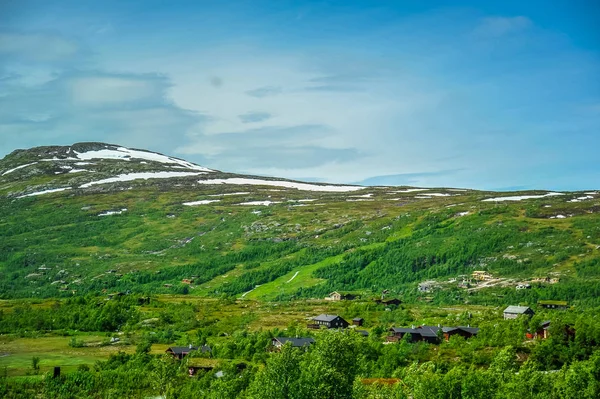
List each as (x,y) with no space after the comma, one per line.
(58,238)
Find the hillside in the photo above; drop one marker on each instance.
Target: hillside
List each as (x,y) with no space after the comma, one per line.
(94,218)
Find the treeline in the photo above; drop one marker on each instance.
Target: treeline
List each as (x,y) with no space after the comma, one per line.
(84,314)
(339,365)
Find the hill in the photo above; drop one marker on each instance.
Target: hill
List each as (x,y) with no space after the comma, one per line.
(95,217)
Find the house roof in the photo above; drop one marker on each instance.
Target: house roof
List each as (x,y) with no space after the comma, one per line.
(471,330)
(326,317)
(357,319)
(517,309)
(546,324)
(179,350)
(558,303)
(363,332)
(432,331)
(296,342)
(424,331)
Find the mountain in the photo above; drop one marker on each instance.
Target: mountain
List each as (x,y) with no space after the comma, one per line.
(96,217)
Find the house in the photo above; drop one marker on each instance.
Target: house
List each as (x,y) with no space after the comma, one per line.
(466,332)
(512,312)
(431,334)
(364,333)
(543,331)
(329,321)
(562,305)
(358,321)
(426,287)
(336,296)
(180,352)
(421,333)
(481,275)
(278,342)
(388,302)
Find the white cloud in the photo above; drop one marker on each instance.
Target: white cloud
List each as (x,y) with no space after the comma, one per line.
(114,90)
(39,47)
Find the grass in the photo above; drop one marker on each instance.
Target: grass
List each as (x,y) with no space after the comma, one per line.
(16,353)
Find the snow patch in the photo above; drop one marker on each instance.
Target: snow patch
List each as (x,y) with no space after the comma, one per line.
(266,203)
(410,190)
(226,194)
(558,217)
(282,183)
(127,154)
(108,213)
(54,190)
(201,202)
(520,197)
(142,175)
(579,199)
(17,168)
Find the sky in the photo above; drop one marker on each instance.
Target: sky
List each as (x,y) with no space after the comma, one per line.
(489,95)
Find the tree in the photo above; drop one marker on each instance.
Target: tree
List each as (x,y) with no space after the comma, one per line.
(328,370)
(279,378)
(35,364)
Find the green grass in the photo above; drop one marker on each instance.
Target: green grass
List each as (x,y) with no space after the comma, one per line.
(16,353)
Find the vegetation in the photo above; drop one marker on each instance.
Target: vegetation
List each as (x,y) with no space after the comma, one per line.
(103,297)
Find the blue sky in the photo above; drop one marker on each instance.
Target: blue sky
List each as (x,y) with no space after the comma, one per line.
(489,95)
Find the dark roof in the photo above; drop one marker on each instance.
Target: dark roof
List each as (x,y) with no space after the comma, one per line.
(424,331)
(403,330)
(428,331)
(326,317)
(179,350)
(363,332)
(296,342)
(472,330)
(432,331)
(546,324)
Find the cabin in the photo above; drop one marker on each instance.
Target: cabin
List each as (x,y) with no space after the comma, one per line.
(512,312)
(179,352)
(421,333)
(561,305)
(466,332)
(481,275)
(358,321)
(431,334)
(336,296)
(426,287)
(329,321)
(543,331)
(278,342)
(364,333)
(387,302)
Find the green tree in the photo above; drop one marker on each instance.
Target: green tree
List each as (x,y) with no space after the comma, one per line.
(279,378)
